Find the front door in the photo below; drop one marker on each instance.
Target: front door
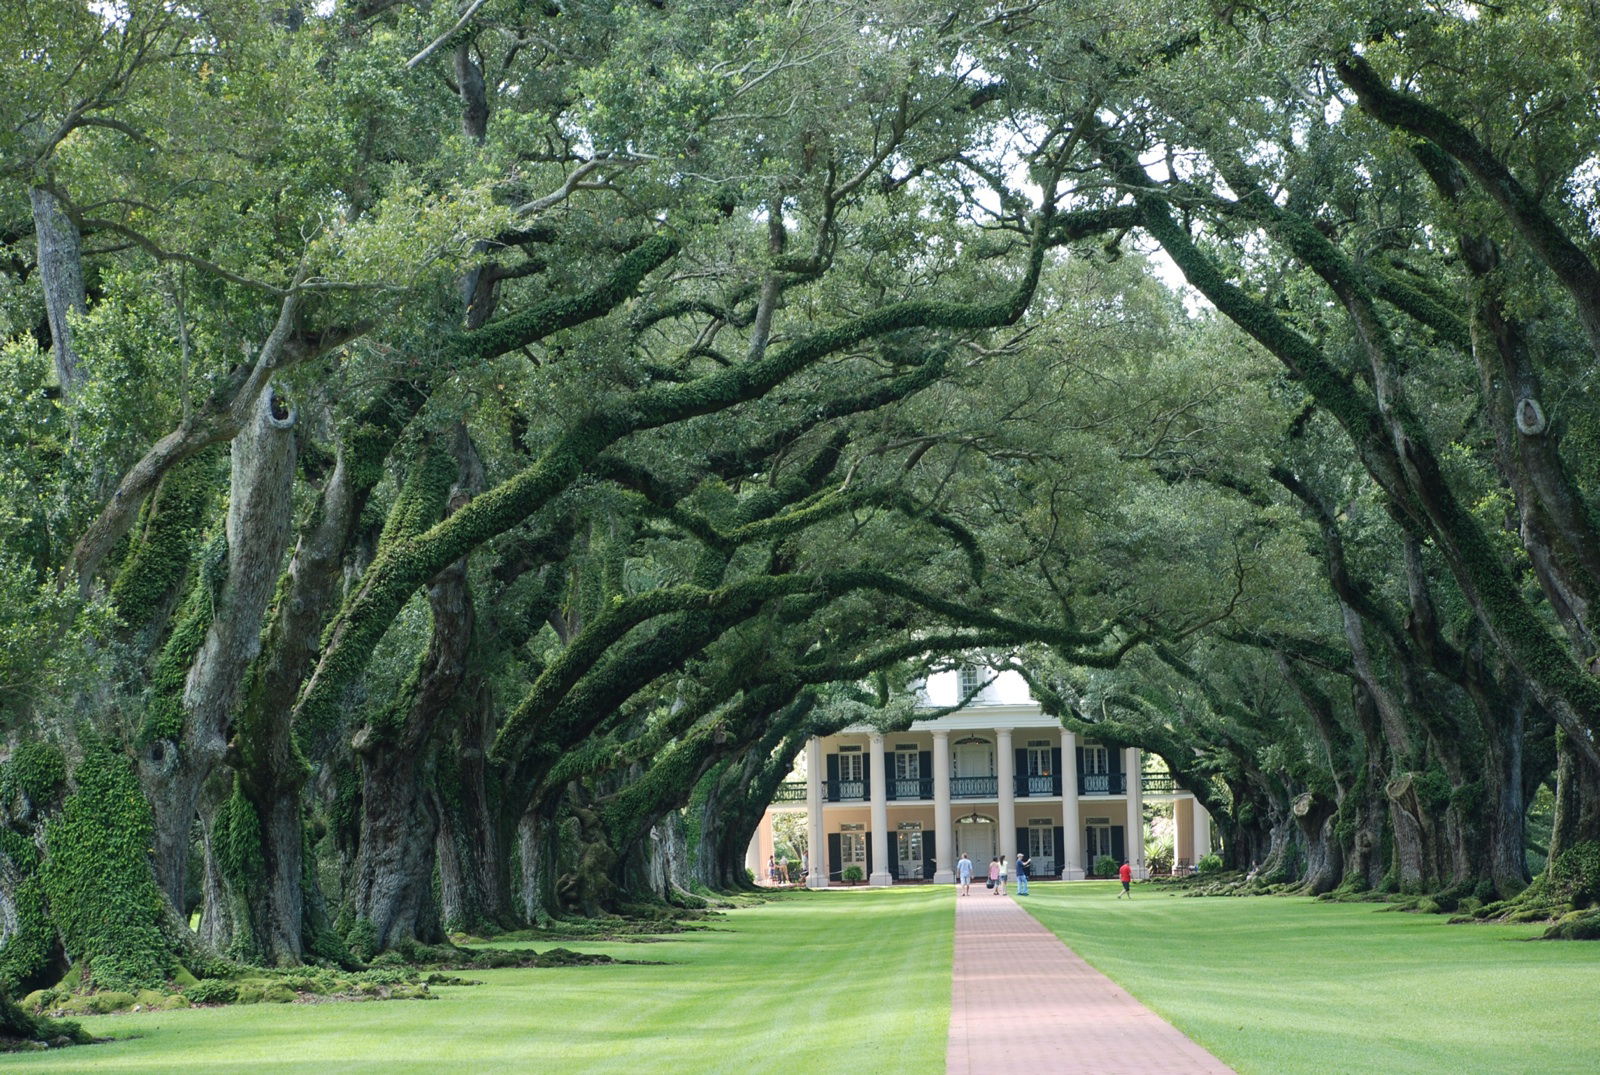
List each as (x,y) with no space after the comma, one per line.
(977,839)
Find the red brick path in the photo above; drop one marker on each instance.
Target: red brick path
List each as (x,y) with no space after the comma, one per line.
(1024,1002)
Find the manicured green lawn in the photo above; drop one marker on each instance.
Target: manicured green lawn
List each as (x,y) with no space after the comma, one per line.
(860,980)
(1290,985)
(815,982)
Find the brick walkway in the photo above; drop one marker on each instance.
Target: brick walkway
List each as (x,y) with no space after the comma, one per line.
(1024,1002)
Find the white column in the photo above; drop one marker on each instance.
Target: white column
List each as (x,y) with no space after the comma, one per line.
(880,816)
(818,852)
(1131,765)
(752,859)
(1005,767)
(1202,832)
(1072,824)
(944,871)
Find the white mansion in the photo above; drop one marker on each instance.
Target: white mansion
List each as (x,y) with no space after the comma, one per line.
(995,777)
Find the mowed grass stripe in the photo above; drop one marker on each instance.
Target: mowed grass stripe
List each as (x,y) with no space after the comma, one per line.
(1290,985)
(827,981)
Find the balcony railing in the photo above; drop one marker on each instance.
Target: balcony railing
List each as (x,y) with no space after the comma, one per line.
(910,788)
(1101,784)
(974,787)
(836,791)
(1037,784)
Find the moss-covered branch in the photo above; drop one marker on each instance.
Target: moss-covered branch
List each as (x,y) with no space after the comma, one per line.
(395,575)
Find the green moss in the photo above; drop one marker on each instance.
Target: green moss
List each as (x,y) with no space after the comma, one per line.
(1574,876)
(29,954)
(212,991)
(1576,926)
(96,876)
(422,497)
(35,769)
(362,939)
(1433,790)
(17,1025)
(236,840)
(163,713)
(161,550)
(539,321)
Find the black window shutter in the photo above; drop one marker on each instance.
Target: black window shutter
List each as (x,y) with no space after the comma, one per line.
(1059,851)
(834,853)
(1020,774)
(1022,842)
(929,863)
(1119,844)
(1055,771)
(833,778)
(925,766)
(869,854)
(1080,767)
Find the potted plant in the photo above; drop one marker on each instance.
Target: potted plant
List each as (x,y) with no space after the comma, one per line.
(1105,866)
(852,875)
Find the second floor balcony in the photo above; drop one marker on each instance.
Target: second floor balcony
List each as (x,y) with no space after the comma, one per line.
(1032,785)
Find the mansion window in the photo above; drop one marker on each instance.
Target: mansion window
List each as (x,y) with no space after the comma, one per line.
(852,846)
(910,841)
(1038,757)
(907,763)
(850,767)
(968,680)
(1041,838)
(1095,760)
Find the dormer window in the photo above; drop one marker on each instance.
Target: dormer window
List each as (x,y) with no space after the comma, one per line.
(968,679)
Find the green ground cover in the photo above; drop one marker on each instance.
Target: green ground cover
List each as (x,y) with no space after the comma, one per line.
(809,982)
(1290,985)
(861,979)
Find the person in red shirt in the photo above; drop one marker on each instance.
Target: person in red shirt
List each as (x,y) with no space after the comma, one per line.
(1126,873)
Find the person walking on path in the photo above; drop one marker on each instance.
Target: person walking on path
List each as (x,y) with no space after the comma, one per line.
(1024,869)
(994,877)
(1000,886)
(1126,873)
(964,873)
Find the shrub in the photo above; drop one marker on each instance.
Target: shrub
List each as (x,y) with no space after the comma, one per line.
(852,874)
(1209,864)
(1105,866)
